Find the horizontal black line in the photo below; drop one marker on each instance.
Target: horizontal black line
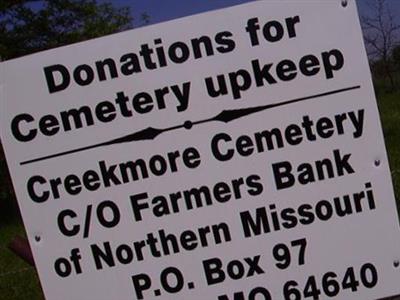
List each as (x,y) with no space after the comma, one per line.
(156,132)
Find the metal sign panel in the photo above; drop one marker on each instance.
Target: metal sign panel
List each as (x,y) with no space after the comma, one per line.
(236,154)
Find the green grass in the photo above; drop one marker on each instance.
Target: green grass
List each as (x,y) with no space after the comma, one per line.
(18,281)
(389,107)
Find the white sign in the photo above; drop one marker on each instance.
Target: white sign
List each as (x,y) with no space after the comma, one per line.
(236,154)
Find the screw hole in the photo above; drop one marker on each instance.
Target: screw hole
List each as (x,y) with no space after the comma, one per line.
(377,162)
(396,263)
(344,3)
(37,238)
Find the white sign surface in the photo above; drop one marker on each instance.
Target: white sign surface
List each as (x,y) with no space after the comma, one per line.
(236,154)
